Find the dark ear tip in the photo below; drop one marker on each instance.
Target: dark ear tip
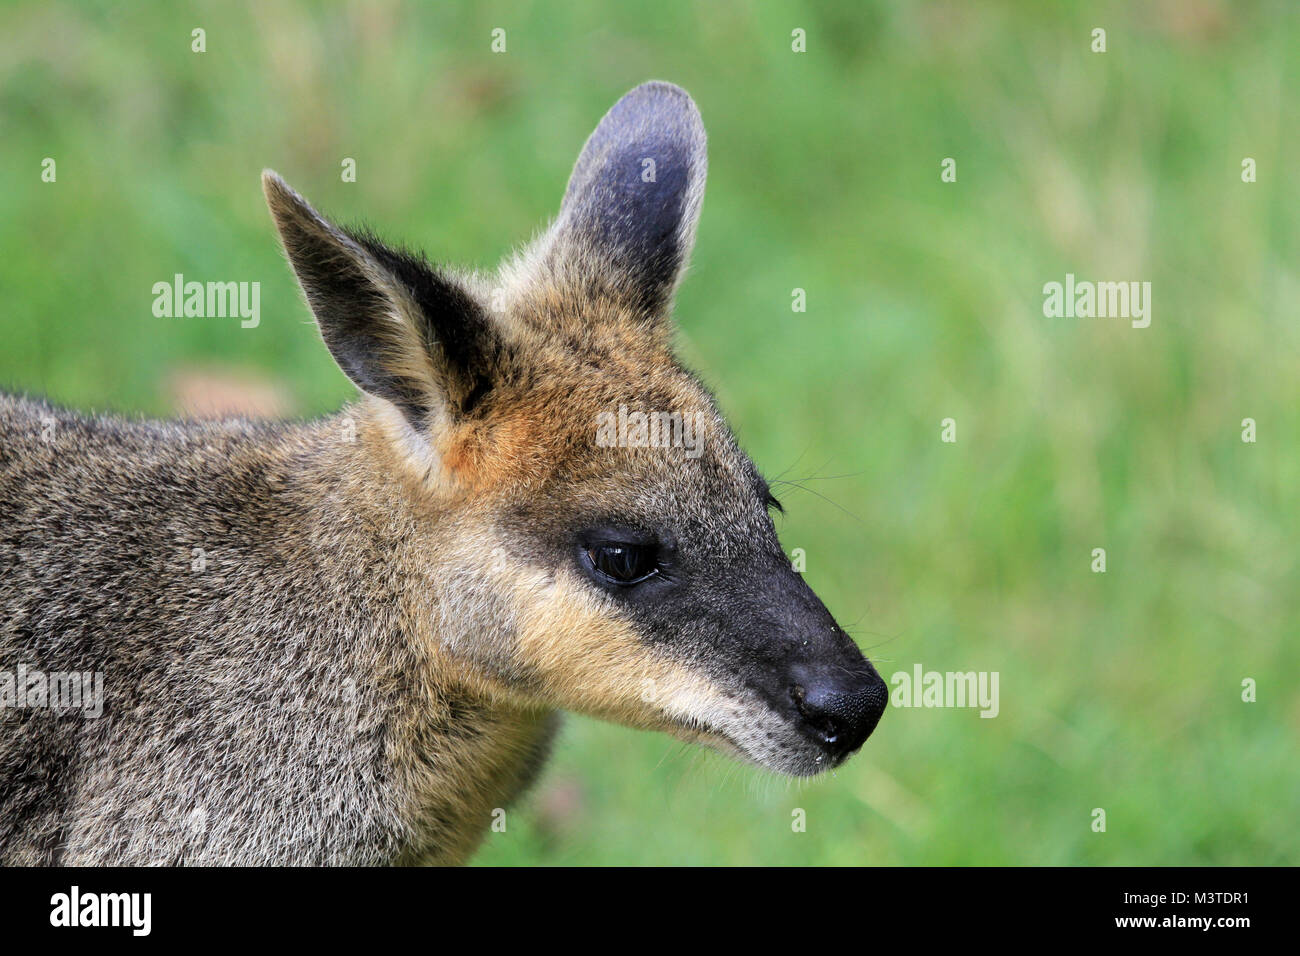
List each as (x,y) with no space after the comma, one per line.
(279,194)
(290,209)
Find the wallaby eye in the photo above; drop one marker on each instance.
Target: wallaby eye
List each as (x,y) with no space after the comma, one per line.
(623,563)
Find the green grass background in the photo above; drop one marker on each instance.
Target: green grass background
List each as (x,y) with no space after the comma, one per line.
(1119,690)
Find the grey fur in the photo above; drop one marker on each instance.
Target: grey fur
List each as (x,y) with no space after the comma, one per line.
(252,698)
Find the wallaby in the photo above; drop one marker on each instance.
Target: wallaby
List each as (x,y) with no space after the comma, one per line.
(346,641)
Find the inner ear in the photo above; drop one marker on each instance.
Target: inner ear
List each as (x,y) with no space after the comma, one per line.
(632,204)
(398,328)
(452,327)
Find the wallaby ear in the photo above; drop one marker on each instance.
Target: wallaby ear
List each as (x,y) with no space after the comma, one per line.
(395,326)
(634,198)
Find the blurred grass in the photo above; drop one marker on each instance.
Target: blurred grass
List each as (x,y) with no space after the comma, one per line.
(1119,691)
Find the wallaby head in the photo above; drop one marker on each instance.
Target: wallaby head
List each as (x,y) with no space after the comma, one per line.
(595,538)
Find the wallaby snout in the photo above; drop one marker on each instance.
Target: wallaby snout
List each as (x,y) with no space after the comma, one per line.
(835,696)
(816,697)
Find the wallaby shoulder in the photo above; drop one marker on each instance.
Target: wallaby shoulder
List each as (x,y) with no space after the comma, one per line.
(235,585)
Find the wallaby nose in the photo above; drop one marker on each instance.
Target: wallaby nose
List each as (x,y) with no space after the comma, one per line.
(840,710)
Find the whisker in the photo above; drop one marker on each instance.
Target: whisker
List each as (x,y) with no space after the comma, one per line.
(829,501)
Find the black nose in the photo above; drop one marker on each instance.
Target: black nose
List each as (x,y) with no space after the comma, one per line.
(841,710)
